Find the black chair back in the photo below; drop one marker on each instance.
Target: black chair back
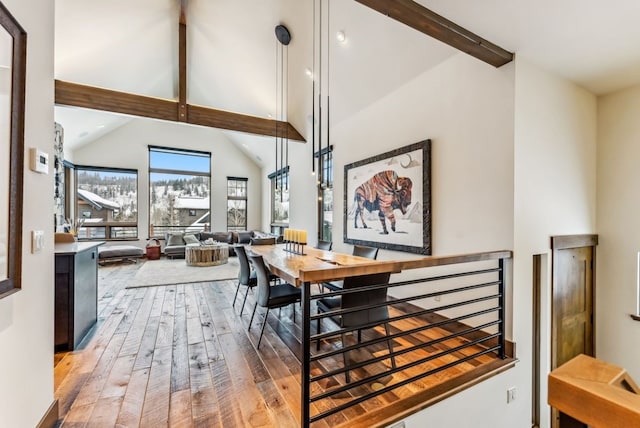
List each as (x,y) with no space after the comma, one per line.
(262,273)
(368,252)
(263,241)
(245,269)
(324,245)
(352,300)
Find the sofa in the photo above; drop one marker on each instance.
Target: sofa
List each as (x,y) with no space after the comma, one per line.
(176,243)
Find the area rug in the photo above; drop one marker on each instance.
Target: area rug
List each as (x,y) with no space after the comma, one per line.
(168,272)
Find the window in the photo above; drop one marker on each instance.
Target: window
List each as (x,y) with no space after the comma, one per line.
(106,203)
(279,200)
(325,194)
(236,203)
(179,191)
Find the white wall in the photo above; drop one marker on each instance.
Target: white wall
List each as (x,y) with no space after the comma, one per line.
(127,147)
(554,194)
(466,108)
(26,317)
(617,336)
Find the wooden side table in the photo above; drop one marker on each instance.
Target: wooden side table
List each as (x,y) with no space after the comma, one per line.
(206,255)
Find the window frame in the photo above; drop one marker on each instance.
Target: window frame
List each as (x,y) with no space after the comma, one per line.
(244,198)
(324,158)
(282,175)
(107,225)
(178,172)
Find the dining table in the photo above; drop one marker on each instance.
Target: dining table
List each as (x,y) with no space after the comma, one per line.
(317,266)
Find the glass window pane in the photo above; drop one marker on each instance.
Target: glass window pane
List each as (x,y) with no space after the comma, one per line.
(178,201)
(236,214)
(178,161)
(280,202)
(107,196)
(104,199)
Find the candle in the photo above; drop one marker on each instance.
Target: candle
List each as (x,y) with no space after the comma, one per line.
(303,237)
(287,235)
(296,235)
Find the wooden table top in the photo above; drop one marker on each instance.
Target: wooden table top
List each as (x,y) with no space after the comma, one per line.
(318,265)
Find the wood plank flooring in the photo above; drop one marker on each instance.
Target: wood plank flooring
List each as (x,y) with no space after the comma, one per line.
(181,356)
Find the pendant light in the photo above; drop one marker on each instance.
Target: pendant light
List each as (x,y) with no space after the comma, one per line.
(283,37)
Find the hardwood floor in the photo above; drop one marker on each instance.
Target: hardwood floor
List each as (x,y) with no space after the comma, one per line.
(174,356)
(181,356)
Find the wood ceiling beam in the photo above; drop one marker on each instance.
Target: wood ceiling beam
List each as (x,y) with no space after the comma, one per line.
(430,23)
(77,95)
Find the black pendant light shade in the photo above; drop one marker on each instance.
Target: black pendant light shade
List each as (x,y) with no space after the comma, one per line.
(283,35)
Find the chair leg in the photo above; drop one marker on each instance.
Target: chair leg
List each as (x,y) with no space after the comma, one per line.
(244,300)
(294,312)
(252,314)
(344,360)
(264,322)
(236,296)
(393,359)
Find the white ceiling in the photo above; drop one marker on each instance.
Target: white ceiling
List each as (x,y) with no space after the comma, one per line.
(131,46)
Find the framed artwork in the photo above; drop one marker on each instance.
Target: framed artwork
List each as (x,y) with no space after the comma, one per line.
(387,200)
(13,56)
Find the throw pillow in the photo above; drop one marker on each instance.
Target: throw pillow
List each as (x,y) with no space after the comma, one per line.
(244,237)
(263,241)
(174,239)
(190,239)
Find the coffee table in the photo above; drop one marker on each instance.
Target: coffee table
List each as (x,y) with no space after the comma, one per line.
(206,255)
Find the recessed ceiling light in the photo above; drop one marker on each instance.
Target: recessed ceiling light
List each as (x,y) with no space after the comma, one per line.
(341,36)
(308,72)
(100,126)
(245,145)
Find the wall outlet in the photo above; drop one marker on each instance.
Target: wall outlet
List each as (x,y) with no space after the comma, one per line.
(511,394)
(37,241)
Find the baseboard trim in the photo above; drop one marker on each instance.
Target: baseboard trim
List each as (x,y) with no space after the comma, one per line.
(50,418)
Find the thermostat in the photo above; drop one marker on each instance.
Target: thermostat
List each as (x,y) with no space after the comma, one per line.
(38,161)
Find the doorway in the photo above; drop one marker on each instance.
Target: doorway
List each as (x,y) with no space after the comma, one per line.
(572,305)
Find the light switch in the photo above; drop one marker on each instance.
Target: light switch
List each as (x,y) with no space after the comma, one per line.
(37,240)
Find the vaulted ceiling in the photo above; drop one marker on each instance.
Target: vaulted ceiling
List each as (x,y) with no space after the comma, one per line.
(132,46)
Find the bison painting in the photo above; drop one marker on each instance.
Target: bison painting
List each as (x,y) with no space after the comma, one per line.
(384,192)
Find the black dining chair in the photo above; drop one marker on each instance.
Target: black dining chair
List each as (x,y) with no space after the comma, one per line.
(366,317)
(358,250)
(324,245)
(246,275)
(363,251)
(271,296)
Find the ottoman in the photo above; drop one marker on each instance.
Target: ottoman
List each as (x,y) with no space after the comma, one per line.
(119,252)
